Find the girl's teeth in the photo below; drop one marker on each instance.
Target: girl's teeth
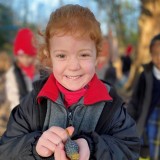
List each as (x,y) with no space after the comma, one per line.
(72,77)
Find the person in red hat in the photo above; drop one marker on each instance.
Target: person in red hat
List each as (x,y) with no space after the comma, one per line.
(22,73)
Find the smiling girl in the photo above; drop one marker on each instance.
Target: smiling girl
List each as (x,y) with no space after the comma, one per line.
(71,98)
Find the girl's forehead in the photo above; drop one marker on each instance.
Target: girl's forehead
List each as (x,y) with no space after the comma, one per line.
(75,35)
(69,39)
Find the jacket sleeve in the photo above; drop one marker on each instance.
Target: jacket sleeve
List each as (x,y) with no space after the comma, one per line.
(118,142)
(18,142)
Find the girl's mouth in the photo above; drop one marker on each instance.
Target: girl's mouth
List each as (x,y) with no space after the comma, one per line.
(73,77)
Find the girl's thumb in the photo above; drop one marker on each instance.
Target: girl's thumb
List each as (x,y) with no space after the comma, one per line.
(70,130)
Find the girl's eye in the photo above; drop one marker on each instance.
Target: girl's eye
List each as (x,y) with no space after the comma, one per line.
(61,56)
(85,55)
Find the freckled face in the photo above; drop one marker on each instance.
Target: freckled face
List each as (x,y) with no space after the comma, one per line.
(73,60)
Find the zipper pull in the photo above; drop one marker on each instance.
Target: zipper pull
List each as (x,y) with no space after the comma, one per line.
(70,119)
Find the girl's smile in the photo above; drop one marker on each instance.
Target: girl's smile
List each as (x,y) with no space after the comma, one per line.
(73,60)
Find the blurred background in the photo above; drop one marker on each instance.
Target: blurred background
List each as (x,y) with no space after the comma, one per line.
(127,26)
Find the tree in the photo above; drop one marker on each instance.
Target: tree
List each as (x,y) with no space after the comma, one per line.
(10,23)
(6,25)
(149,25)
(119,16)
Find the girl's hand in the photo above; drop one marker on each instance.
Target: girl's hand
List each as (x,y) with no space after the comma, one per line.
(84,150)
(50,139)
(60,154)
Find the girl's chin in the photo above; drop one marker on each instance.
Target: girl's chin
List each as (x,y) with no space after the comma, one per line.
(74,88)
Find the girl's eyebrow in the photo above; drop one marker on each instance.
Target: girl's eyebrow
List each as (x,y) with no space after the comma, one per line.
(59,50)
(81,50)
(85,50)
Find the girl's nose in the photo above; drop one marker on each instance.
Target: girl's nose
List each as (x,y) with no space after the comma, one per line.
(73,64)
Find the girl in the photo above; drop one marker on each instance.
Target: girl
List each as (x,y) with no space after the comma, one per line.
(72,98)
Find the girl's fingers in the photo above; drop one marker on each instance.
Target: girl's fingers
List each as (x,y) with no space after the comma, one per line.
(52,137)
(47,144)
(61,132)
(83,149)
(57,153)
(43,151)
(60,154)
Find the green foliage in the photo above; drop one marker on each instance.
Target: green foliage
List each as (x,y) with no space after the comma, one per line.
(122,18)
(7,28)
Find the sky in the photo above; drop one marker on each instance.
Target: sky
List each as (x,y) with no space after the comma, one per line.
(47,6)
(40,10)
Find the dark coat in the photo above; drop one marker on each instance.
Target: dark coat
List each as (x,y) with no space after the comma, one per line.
(114,138)
(138,106)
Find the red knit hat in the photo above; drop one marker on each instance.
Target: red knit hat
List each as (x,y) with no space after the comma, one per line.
(23,43)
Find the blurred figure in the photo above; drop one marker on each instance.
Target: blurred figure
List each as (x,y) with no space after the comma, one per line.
(107,55)
(22,73)
(110,74)
(144,105)
(123,69)
(103,57)
(127,61)
(118,71)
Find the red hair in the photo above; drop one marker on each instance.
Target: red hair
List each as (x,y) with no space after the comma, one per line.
(75,20)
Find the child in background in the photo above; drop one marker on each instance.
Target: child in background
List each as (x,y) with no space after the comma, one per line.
(22,73)
(71,98)
(144,105)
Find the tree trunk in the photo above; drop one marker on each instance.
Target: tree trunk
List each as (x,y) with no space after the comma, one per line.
(149,25)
